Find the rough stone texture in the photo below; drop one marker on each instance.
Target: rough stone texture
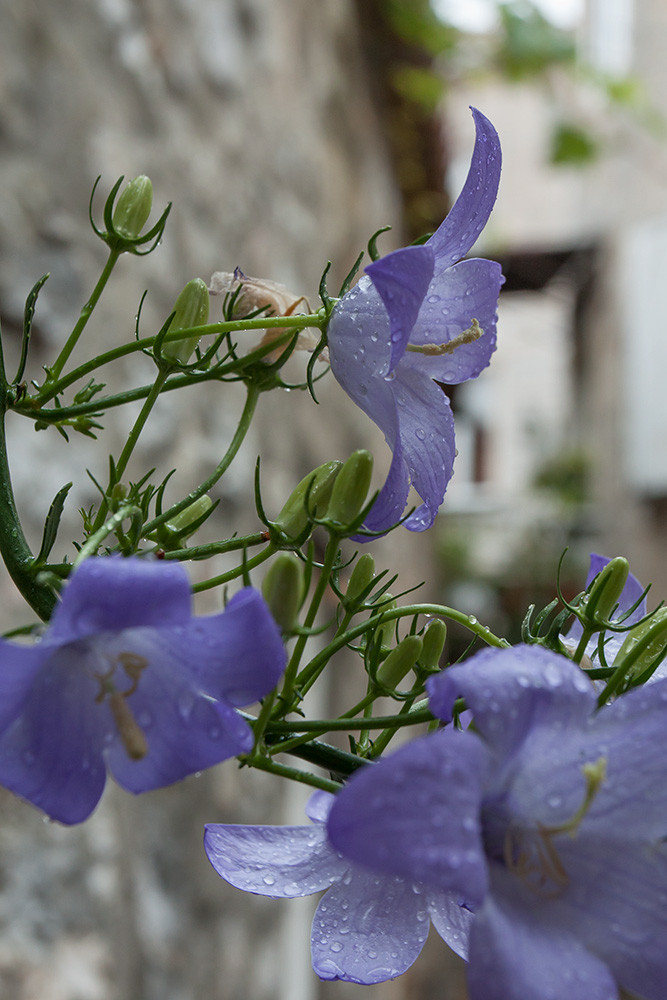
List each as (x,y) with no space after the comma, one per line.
(253,116)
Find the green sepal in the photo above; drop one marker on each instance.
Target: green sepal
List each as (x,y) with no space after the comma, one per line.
(51,525)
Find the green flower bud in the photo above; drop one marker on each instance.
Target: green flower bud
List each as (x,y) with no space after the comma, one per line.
(605,592)
(434,638)
(180,523)
(191,309)
(133,207)
(388,602)
(313,490)
(351,488)
(400,661)
(644,645)
(283,589)
(361,576)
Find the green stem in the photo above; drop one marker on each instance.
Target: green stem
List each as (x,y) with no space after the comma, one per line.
(287,693)
(51,389)
(442,611)
(581,648)
(132,439)
(233,574)
(15,550)
(58,365)
(195,552)
(303,777)
(236,442)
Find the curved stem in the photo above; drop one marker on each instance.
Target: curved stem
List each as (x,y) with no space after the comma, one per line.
(436,610)
(15,550)
(286,695)
(51,388)
(233,574)
(132,439)
(220,469)
(85,315)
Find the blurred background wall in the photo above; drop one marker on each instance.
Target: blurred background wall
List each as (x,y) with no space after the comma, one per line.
(286,132)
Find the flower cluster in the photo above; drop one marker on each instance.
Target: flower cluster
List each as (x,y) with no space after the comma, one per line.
(125,678)
(546,821)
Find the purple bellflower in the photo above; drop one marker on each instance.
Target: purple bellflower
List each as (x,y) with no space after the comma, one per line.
(631,595)
(550,822)
(415,318)
(368,927)
(124,677)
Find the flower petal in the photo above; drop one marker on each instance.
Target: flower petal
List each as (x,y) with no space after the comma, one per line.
(359,338)
(110,593)
(319,806)
(238,655)
(426,428)
(515,957)
(52,754)
(473,206)
(392,498)
(20,666)
(416,814)
(368,928)
(467,291)
(511,691)
(452,921)
(615,905)
(402,279)
(186,730)
(630,734)
(275,861)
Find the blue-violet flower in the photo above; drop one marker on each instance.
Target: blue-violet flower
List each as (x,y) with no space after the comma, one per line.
(631,595)
(550,821)
(124,677)
(417,318)
(368,927)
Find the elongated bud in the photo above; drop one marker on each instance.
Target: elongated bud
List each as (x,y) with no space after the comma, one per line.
(190,309)
(180,523)
(605,592)
(351,488)
(361,576)
(644,645)
(387,630)
(283,589)
(133,207)
(434,638)
(312,494)
(400,661)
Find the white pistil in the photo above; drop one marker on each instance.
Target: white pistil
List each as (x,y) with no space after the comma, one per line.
(130,732)
(469,336)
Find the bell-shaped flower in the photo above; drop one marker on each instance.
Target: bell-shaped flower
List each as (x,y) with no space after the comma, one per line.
(631,609)
(367,928)
(417,318)
(549,820)
(125,678)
